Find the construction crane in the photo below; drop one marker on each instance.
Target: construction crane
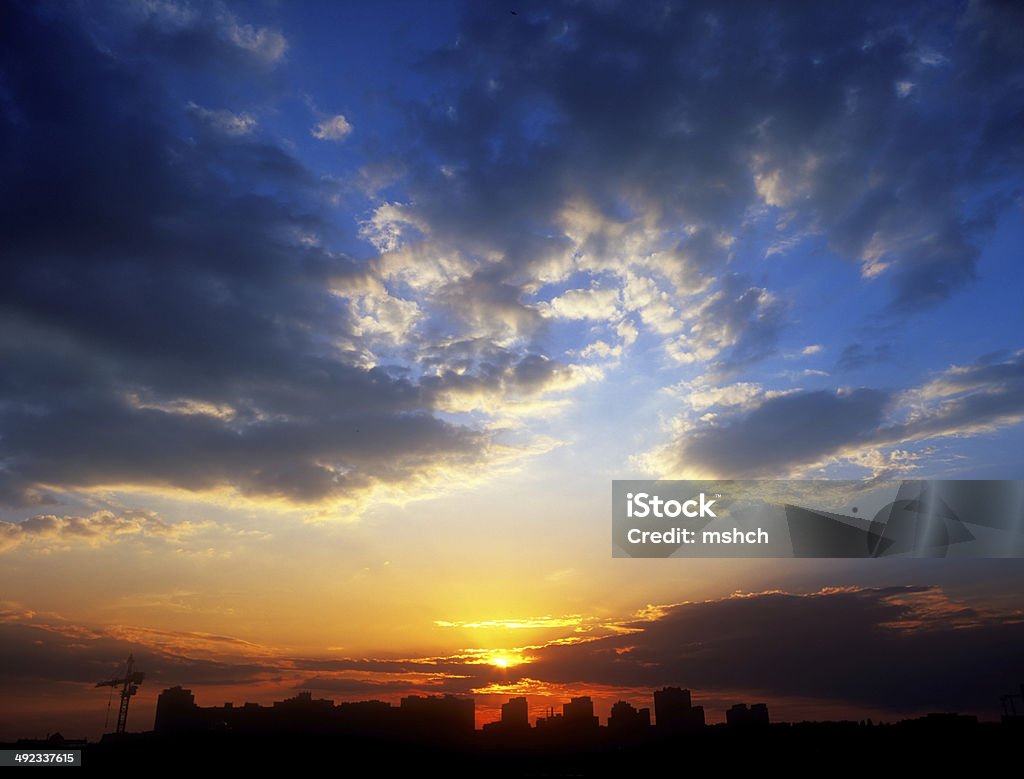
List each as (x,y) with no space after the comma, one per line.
(1009,707)
(129,684)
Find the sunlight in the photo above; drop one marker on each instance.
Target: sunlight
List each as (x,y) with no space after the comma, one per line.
(505,659)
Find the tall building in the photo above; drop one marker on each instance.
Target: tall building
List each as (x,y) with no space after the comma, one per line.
(175,710)
(736,714)
(579,713)
(626,718)
(673,710)
(515,713)
(739,714)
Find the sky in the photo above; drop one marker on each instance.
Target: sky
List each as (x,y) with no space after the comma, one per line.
(325,327)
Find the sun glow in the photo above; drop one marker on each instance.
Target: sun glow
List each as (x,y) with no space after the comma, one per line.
(506,660)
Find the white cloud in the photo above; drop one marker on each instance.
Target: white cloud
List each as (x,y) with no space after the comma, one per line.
(381,316)
(337,128)
(583,304)
(740,394)
(904,88)
(265,44)
(601,349)
(390,226)
(642,295)
(223,121)
(261,43)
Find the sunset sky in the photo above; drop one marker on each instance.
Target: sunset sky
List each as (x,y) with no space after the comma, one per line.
(325,328)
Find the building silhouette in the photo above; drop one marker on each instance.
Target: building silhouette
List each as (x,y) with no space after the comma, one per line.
(436,734)
(515,713)
(176,710)
(625,718)
(431,716)
(515,717)
(740,715)
(450,720)
(673,710)
(578,713)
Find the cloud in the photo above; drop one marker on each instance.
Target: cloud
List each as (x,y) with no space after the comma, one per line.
(964,399)
(741,320)
(175,315)
(701,397)
(495,381)
(604,146)
(783,432)
(223,121)
(197,35)
(168,323)
(760,433)
(583,304)
(46,647)
(838,645)
(882,648)
(336,128)
(263,43)
(528,623)
(48,530)
(595,172)
(362,688)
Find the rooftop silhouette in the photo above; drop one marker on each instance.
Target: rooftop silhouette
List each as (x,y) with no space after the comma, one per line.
(440,731)
(436,716)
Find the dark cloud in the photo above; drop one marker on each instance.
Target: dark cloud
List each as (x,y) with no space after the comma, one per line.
(166,306)
(779,434)
(372,665)
(47,649)
(902,648)
(998,371)
(882,132)
(165,322)
(785,431)
(354,688)
(746,318)
(51,650)
(862,122)
(205,36)
(966,399)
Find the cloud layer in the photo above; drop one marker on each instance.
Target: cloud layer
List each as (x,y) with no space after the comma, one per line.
(856,649)
(744,431)
(168,322)
(49,530)
(584,179)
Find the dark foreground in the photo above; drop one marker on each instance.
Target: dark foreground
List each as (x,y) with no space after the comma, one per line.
(819,747)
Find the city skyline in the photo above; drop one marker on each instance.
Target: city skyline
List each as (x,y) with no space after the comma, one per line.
(438,729)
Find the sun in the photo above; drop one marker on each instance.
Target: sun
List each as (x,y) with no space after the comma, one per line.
(505,659)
